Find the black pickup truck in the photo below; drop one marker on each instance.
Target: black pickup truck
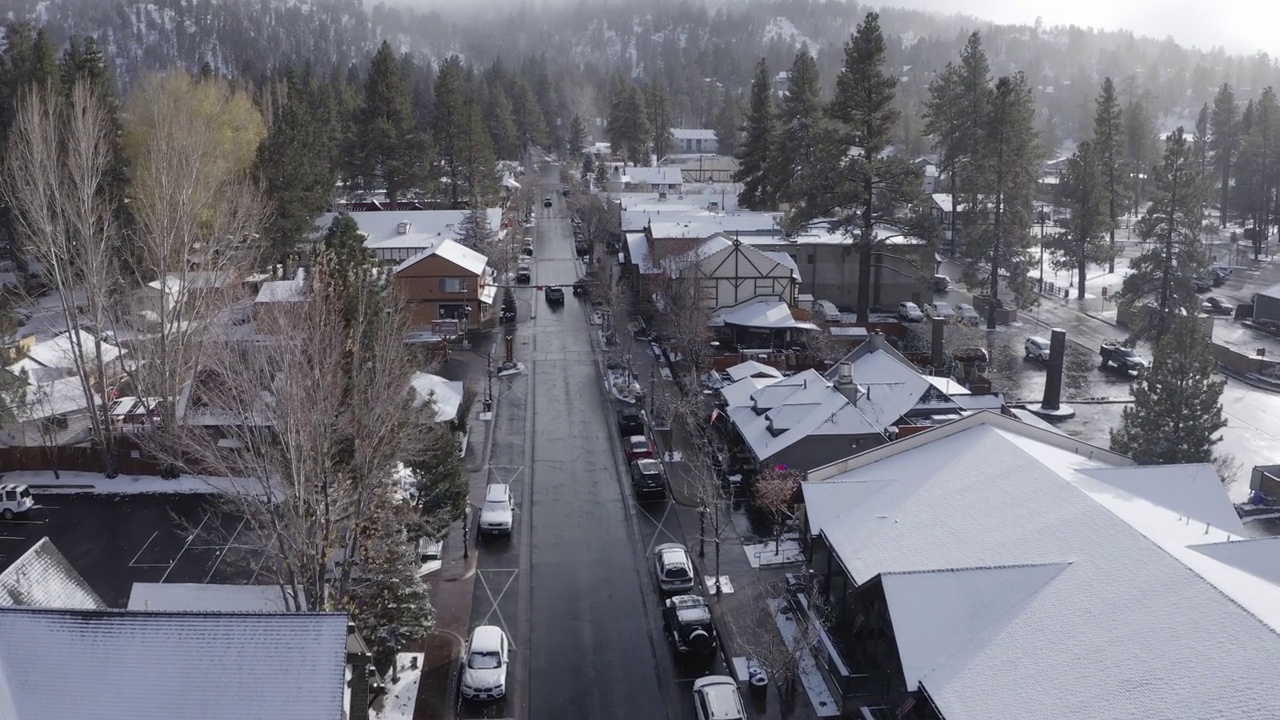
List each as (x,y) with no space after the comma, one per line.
(1122,357)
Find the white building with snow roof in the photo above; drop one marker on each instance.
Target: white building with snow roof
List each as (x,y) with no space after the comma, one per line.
(989,568)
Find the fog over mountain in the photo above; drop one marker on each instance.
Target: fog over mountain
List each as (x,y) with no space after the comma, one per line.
(1242,27)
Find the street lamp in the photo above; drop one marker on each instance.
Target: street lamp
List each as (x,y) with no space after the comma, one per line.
(1042,218)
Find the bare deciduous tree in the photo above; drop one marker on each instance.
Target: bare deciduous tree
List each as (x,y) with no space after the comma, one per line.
(60,154)
(774,493)
(198,215)
(703,483)
(777,637)
(320,424)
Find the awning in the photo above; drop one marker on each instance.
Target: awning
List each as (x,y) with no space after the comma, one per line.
(763,315)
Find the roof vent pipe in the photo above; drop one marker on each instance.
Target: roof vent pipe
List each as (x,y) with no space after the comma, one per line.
(845,373)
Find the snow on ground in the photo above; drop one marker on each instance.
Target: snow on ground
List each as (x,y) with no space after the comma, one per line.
(401,697)
(784,29)
(824,704)
(46,483)
(765,554)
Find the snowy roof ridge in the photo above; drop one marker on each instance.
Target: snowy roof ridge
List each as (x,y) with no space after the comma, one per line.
(42,577)
(966,568)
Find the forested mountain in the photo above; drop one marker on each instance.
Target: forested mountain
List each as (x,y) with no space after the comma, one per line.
(571,51)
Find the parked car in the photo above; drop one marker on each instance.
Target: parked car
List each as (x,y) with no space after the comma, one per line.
(527,249)
(686,621)
(484,674)
(1202,284)
(1122,357)
(1036,348)
(498,511)
(942,310)
(1214,305)
(555,296)
(674,568)
(716,697)
(579,288)
(524,272)
(631,421)
(546,201)
(941,283)
(648,478)
(15,500)
(910,312)
(639,446)
(967,315)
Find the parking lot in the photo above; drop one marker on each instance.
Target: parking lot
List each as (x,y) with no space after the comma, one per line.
(114,541)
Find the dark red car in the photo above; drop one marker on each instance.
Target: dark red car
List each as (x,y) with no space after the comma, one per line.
(638,446)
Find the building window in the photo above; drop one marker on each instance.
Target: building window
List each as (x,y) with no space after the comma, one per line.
(453,285)
(453,312)
(810,258)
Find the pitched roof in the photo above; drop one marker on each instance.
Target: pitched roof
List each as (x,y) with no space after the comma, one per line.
(127,665)
(693,134)
(384,224)
(42,577)
(752,368)
(60,352)
(791,409)
(210,597)
(738,394)
(455,252)
(1163,610)
(447,394)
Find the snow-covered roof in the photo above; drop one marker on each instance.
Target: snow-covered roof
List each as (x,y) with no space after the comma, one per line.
(382,225)
(654,175)
(791,409)
(455,252)
(152,665)
(752,368)
(59,352)
(784,260)
(738,394)
(638,250)
(510,183)
(42,577)
(447,394)
(762,313)
(275,291)
(211,597)
(55,397)
(176,283)
(693,134)
(1029,574)
(705,224)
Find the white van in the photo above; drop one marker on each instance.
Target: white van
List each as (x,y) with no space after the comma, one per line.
(15,500)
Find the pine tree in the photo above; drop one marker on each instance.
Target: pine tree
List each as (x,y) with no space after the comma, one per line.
(344,268)
(588,167)
(1141,147)
(386,151)
(391,606)
(500,119)
(1255,168)
(450,125)
(754,155)
(508,302)
(1200,142)
(726,123)
(474,230)
(1224,143)
(800,118)
(577,137)
(440,484)
(477,169)
(531,124)
(850,174)
(955,116)
(1177,406)
(1109,149)
(659,107)
(1009,169)
(628,126)
(1160,287)
(1083,241)
(602,176)
(297,177)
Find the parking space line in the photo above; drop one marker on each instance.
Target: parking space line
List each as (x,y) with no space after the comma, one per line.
(184,547)
(493,602)
(661,529)
(134,561)
(223,552)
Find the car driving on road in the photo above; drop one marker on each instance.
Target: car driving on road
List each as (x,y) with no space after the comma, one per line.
(1122,357)
(1213,305)
(1036,348)
(555,295)
(15,500)
(674,568)
(546,201)
(484,673)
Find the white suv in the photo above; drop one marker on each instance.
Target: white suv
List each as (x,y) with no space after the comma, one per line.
(15,500)
(1036,348)
(716,698)
(484,670)
(498,510)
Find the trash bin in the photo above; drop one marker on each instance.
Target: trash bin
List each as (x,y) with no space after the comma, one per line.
(757,678)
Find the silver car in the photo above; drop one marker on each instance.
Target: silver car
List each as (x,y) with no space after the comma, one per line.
(674,568)
(942,310)
(910,312)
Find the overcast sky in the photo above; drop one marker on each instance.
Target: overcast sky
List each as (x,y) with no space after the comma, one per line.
(1240,26)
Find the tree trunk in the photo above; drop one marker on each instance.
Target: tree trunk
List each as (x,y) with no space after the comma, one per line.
(1082,271)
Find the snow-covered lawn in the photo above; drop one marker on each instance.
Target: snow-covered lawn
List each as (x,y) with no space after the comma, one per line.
(766,554)
(401,697)
(88,482)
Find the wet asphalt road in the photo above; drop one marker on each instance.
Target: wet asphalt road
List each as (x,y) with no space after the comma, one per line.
(569,585)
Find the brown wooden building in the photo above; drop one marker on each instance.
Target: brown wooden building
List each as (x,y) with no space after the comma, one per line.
(448,281)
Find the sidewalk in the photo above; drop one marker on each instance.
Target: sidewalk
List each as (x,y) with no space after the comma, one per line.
(452,587)
(742,614)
